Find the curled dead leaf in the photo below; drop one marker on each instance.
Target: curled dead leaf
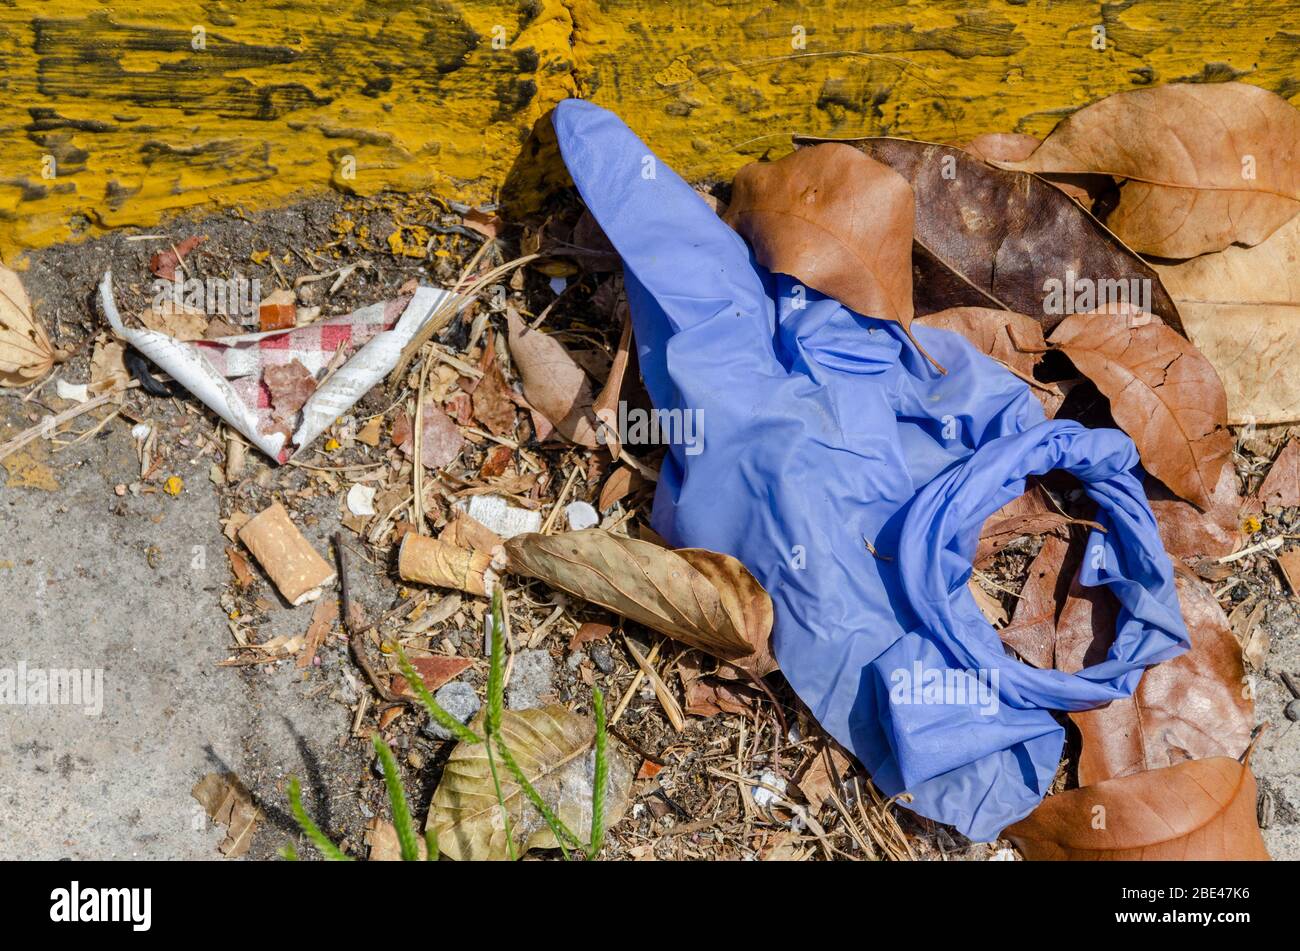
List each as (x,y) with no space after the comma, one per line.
(553,747)
(555,385)
(605,406)
(1201,809)
(1162,392)
(703,599)
(989,237)
(1207,164)
(26,353)
(834,219)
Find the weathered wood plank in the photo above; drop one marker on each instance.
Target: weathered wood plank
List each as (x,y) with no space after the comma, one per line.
(119,116)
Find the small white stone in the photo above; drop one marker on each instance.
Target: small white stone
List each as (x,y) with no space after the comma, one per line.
(361,499)
(71,391)
(581,515)
(764,797)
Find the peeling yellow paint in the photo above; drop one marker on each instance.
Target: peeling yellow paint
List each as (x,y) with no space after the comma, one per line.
(110,116)
(28,469)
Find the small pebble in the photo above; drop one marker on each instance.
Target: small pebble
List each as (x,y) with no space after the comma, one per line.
(457,698)
(581,516)
(602,658)
(531,680)
(764,797)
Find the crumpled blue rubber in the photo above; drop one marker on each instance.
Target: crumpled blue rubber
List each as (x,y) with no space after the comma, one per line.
(822,430)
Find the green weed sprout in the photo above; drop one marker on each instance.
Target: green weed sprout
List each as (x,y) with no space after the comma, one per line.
(402,822)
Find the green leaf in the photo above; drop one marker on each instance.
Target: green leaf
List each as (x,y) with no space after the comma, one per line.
(406,837)
(309,828)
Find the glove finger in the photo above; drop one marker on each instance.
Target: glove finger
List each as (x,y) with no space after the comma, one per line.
(689,277)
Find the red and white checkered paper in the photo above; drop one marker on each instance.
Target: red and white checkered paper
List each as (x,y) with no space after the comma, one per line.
(243,359)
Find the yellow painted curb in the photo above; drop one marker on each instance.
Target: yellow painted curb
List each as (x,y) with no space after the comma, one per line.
(117,116)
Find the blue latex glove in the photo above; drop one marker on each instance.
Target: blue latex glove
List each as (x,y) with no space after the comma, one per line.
(822,430)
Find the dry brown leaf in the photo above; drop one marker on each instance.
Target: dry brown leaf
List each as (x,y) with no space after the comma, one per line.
(989,237)
(164,263)
(370,432)
(26,353)
(229,803)
(485,223)
(1207,164)
(1281,487)
(555,385)
(988,604)
(836,220)
(1289,562)
(1162,392)
(743,598)
(291,385)
(1199,810)
(1001,334)
(1241,307)
(1002,146)
(588,632)
(496,462)
(440,438)
(1030,513)
(997,147)
(176,320)
(710,696)
(381,837)
(1247,623)
(435,671)
(1186,531)
(825,773)
(108,368)
(1032,631)
(493,402)
(680,594)
(1192,707)
(621,482)
(239,567)
(322,621)
(552,747)
(1085,625)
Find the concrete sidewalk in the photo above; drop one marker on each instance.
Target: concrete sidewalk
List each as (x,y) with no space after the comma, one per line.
(130,586)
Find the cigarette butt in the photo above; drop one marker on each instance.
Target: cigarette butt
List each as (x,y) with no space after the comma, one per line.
(297,569)
(430,561)
(465,532)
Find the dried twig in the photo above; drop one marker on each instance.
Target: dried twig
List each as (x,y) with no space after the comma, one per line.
(354,635)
